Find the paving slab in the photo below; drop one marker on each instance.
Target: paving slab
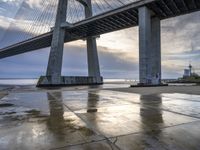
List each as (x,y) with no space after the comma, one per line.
(98,119)
(41,128)
(181,137)
(101,145)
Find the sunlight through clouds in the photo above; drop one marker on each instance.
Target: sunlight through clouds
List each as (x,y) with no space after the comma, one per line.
(180,45)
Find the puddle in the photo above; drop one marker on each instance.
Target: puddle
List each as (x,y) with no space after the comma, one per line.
(56,119)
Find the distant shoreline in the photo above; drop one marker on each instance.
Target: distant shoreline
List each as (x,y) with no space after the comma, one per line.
(18,78)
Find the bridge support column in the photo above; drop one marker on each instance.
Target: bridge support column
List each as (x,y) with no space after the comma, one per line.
(53,73)
(149,48)
(53,76)
(93,60)
(92,54)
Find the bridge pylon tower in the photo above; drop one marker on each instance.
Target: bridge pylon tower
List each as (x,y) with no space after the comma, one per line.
(53,74)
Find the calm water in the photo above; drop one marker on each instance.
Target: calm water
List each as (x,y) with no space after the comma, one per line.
(109,83)
(4,83)
(34,81)
(18,81)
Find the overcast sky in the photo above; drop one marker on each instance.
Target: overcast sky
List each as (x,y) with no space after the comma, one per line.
(118,51)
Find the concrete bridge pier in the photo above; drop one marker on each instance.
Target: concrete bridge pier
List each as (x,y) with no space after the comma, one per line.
(54,68)
(93,60)
(92,54)
(53,75)
(149,48)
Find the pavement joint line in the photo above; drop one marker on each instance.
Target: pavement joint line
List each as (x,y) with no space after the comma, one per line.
(181,114)
(171,98)
(133,103)
(106,138)
(87,123)
(136,113)
(73,145)
(116,137)
(77,116)
(101,107)
(135,133)
(90,126)
(138,103)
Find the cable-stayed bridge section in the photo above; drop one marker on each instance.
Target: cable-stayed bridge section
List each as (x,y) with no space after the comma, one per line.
(145,13)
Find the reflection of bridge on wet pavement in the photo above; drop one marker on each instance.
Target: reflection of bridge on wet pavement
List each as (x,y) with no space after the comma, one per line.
(99,119)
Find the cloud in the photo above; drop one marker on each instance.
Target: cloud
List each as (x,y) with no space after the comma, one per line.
(194,54)
(118,51)
(111,64)
(74,63)
(181,33)
(27,16)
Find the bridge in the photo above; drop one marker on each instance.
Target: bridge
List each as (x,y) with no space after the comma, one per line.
(147,14)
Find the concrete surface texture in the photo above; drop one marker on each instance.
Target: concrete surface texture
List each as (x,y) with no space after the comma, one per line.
(101,119)
(149,47)
(92,54)
(54,67)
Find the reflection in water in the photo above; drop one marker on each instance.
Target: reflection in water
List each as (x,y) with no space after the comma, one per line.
(56,122)
(93,99)
(63,124)
(151,114)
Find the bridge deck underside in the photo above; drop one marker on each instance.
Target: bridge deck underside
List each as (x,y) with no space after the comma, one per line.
(114,20)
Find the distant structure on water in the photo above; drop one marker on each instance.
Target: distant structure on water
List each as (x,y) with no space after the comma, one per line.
(189,76)
(189,73)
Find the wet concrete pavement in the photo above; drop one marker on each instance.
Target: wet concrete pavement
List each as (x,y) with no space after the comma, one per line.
(99,119)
